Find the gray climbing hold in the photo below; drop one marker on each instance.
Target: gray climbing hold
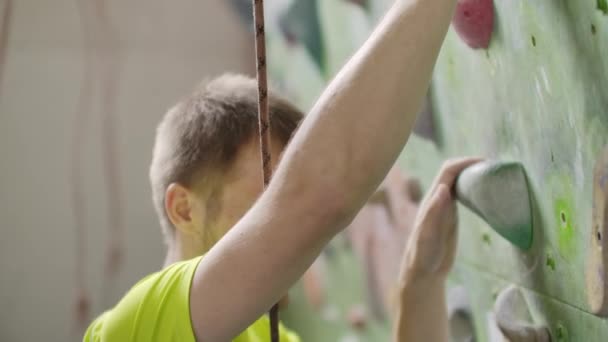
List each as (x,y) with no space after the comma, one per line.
(498,192)
(460,315)
(514,319)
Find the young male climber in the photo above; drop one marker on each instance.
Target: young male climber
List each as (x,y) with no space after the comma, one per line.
(234,251)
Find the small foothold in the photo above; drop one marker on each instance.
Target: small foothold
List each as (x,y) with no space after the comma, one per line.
(459,315)
(474,22)
(593,29)
(533,41)
(425,122)
(314,289)
(498,192)
(357,317)
(514,319)
(597,272)
(561,334)
(83,308)
(413,190)
(550,262)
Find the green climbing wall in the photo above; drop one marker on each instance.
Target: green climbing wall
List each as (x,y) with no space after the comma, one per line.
(537,95)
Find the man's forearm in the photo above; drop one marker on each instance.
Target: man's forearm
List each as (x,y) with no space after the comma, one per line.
(422,313)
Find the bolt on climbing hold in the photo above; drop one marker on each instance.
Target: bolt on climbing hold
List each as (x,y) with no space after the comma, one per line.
(597,272)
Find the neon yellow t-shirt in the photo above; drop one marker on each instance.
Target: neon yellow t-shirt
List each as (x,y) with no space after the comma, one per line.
(158,309)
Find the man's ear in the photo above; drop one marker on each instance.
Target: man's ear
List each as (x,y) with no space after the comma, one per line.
(180,205)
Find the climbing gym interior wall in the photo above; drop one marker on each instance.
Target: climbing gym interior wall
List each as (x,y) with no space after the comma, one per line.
(535,93)
(52,145)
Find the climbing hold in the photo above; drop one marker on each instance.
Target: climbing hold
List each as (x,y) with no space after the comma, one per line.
(550,261)
(602,5)
(460,315)
(561,333)
(363,3)
(597,272)
(425,122)
(474,22)
(313,284)
(498,192)
(514,319)
(244,10)
(301,24)
(357,317)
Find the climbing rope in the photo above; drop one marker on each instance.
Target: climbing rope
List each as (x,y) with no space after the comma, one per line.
(264,123)
(100,71)
(6,16)
(79,200)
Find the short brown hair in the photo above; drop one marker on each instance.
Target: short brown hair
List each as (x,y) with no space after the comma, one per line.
(203,132)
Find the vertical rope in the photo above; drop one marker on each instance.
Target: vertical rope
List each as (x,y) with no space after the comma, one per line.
(264,124)
(110,69)
(79,203)
(5,25)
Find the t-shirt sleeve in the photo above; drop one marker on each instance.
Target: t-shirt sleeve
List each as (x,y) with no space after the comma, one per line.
(155,309)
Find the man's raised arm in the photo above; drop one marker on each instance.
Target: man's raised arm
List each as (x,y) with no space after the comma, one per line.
(340,154)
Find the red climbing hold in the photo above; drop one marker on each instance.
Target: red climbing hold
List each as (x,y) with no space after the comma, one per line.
(474,22)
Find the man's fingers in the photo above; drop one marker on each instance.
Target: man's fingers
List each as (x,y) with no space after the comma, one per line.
(452,168)
(441,205)
(436,205)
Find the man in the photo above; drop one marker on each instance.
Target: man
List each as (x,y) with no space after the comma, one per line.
(206,187)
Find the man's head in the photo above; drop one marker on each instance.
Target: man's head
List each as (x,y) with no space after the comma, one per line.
(206,171)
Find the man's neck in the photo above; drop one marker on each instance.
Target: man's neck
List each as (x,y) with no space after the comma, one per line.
(172,256)
(181,249)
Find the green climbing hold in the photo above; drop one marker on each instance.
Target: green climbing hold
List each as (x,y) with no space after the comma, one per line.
(550,262)
(498,192)
(602,5)
(561,333)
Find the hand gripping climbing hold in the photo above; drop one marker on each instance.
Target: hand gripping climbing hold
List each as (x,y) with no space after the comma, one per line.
(474,22)
(498,192)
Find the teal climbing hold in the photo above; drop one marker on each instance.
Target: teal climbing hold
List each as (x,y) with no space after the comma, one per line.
(498,192)
(301,24)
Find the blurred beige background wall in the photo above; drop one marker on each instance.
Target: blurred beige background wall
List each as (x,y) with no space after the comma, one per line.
(167,47)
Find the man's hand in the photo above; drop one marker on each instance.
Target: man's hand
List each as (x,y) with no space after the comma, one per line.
(428,258)
(431,248)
